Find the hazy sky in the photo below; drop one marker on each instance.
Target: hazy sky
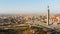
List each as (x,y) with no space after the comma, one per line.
(28,6)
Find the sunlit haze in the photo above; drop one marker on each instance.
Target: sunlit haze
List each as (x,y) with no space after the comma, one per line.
(28,6)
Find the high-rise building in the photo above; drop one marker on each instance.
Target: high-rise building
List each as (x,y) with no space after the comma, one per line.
(48,15)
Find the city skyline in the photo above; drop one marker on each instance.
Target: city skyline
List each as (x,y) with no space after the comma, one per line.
(28,6)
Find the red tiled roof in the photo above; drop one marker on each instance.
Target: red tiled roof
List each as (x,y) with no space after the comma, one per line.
(54,19)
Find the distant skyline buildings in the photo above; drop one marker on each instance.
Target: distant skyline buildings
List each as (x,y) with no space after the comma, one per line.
(29,6)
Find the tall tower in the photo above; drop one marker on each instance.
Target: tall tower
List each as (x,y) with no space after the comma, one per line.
(48,15)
